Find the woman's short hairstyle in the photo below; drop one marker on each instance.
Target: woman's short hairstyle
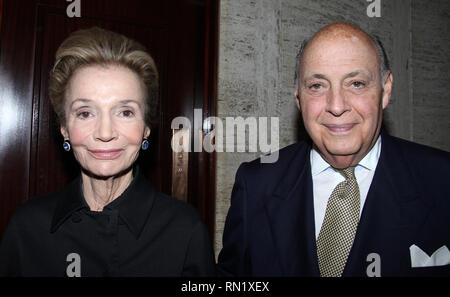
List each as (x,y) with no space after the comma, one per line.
(96,46)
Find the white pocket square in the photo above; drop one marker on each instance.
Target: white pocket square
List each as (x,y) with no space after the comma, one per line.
(419,258)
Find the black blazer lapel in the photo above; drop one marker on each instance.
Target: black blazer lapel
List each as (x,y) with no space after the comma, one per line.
(291,214)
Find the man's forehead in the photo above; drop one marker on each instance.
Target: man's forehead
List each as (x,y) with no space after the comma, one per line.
(335,38)
(341,31)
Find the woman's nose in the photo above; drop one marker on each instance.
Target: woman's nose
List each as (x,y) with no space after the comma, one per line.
(105,129)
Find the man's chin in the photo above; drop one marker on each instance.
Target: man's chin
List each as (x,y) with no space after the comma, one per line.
(341,157)
(342,153)
(342,148)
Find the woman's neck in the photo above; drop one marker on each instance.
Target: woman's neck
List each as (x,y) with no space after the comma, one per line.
(100,192)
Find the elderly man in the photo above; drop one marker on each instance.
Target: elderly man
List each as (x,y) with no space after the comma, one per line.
(355,201)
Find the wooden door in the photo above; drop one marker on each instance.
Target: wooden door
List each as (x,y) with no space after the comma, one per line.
(181,37)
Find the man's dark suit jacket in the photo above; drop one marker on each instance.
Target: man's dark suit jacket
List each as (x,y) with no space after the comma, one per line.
(270,229)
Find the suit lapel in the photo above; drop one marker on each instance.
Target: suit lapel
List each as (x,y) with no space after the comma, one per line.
(392,204)
(291,214)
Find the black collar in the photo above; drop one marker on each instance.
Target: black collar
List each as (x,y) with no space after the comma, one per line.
(133,205)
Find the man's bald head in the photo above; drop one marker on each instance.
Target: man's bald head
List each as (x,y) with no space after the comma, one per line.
(344,31)
(340,30)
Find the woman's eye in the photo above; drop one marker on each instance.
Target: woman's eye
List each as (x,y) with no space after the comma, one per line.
(358,84)
(83,114)
(127,113)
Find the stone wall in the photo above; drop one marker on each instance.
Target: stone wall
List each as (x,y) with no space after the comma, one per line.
(430,72)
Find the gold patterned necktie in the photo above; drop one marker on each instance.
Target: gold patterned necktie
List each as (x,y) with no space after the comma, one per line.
(339,226)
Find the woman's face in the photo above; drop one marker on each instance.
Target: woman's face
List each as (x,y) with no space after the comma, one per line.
(105,118)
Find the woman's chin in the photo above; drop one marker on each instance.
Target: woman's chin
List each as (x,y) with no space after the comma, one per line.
(106,172)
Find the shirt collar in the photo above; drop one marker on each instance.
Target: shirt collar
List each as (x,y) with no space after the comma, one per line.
(133,205)
(370,160)
(318,164)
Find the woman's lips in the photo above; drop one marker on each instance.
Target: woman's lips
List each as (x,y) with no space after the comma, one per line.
(106,154)
(340,128)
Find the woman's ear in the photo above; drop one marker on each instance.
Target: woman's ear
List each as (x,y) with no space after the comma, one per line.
(147,131)
(64,132)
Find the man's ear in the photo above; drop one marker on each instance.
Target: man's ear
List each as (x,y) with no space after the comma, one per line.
(387,91)
(64,132)
(297,98)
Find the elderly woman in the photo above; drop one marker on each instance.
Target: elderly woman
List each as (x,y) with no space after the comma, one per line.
(110,221)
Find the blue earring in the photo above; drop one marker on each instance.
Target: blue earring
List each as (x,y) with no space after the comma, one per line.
(66,145)
(145,144)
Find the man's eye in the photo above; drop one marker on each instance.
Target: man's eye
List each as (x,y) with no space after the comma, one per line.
(315,87)
(358,84)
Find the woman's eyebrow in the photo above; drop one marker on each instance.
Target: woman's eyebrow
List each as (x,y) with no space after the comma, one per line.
(89,101)
(126,101)
(81,100)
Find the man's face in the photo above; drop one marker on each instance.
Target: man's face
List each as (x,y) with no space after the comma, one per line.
(341,97)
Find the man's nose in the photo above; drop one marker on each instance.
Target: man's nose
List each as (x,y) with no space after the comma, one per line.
(336,102)
(105,128)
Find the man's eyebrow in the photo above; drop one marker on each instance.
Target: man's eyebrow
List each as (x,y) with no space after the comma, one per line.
(348,75)
(352,74)
(316,75)
(359,72)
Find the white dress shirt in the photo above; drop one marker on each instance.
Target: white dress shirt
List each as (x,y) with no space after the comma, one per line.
(325,178)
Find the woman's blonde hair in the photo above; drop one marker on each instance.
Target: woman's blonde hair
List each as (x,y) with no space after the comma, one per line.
(96,46)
